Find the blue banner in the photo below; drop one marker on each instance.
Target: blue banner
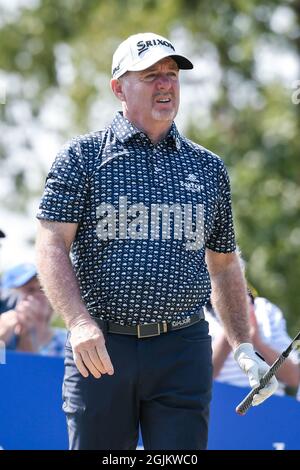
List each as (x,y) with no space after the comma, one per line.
(31,415)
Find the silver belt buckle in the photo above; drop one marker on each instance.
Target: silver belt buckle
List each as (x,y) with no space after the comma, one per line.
(148,329)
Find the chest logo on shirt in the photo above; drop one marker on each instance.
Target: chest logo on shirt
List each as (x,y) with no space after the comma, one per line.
(192,184)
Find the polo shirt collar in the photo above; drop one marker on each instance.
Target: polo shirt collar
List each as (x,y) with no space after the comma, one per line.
(124,130)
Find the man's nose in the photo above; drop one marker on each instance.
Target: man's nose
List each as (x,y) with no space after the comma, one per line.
(164,82)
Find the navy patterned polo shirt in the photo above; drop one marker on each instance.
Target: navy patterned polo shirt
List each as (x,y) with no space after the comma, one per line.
(145,215)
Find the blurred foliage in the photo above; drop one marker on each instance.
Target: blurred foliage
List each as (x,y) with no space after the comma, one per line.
(58,322)
(66,45)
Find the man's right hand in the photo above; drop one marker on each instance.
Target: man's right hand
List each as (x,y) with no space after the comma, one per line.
(8,324)
(89,350)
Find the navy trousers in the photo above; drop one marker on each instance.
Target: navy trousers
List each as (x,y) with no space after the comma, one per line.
(162,384)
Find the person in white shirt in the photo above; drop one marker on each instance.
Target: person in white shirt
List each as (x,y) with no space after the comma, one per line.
(269,337)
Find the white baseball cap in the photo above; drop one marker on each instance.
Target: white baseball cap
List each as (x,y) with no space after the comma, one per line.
(140,51)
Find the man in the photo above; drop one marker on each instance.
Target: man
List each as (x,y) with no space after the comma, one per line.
(26,326)
(141,206)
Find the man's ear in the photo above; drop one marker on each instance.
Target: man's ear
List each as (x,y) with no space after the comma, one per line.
(117,88)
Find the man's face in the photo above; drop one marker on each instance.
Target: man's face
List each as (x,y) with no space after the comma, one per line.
(32,299)
(152,95)
(30,288)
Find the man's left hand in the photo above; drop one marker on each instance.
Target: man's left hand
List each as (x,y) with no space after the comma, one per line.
(255,368)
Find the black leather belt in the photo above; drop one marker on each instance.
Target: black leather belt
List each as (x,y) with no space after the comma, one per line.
(147,330)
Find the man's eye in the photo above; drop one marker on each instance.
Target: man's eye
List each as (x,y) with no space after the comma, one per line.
(150,76)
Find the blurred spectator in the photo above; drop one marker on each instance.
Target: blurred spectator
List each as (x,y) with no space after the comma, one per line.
(27,327)
(269,337)
(4,303)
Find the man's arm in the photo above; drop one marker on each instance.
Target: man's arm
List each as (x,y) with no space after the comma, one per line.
(229,296)
(58,278)
(230,300)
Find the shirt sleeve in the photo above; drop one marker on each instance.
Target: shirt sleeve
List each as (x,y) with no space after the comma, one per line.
(65,190)
(222,238)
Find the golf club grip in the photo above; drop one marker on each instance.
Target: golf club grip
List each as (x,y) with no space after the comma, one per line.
(245,404)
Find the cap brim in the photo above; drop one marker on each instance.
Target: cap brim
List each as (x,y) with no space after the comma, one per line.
(182,62)
(22,280)
(13,282)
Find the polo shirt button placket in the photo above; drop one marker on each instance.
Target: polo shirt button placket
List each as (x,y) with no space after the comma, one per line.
(153,166)
(157,170)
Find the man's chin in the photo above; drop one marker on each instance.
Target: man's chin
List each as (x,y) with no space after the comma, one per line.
(164,115)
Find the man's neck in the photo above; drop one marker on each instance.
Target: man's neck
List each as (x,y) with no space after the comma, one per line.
(156,131)
(157,136)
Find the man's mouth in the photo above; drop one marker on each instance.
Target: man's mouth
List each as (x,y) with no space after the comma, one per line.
(163,100)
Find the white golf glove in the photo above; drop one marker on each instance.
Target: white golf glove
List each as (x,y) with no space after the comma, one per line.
(255,368)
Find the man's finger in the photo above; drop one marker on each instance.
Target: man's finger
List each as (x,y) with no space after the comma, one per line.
(18,329)
(264,393)
(103,354)
(257,399)
(80,366)
(89,364)
(96,360)
(253,378)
